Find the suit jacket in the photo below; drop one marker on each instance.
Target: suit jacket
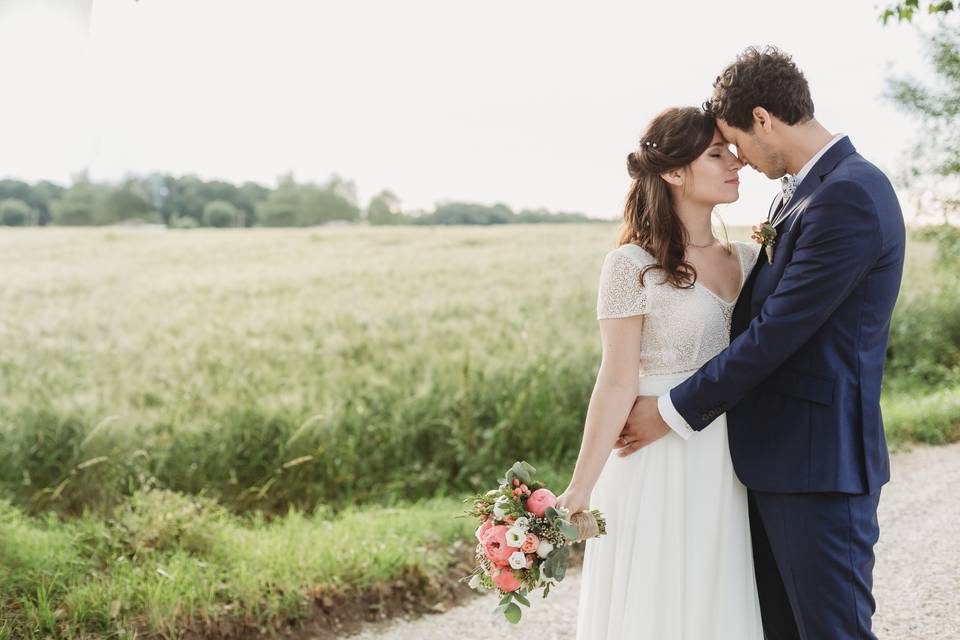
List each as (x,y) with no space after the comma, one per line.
(800,381)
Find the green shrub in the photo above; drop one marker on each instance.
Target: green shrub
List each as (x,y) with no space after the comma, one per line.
(183,222)
(155,519)
(14,212)
(220,213)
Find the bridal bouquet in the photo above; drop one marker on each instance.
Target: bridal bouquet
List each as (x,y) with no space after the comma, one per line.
(523,539)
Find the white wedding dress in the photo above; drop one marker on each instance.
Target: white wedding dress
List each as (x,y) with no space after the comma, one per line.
(676,563)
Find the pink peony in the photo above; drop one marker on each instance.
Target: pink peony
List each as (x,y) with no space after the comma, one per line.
(482,529)
(541,500)
(506,580)
(530,543)
(495,544)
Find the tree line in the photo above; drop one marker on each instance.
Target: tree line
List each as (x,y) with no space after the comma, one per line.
(188,201)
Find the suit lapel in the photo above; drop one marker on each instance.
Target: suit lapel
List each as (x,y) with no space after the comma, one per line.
(827,163)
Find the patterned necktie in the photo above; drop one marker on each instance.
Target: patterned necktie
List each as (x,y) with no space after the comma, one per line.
(788,184)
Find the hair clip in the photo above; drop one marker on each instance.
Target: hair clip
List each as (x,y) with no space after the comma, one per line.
(647,143)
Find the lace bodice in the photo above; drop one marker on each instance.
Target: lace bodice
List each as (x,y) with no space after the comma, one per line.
(682,328)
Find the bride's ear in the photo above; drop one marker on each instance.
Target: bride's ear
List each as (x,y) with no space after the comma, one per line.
(674,177)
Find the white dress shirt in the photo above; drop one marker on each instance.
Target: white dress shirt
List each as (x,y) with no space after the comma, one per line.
(668,412)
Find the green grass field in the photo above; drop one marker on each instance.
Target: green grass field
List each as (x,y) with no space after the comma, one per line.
(318,375)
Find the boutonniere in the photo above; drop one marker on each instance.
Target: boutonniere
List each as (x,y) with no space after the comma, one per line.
(765,235)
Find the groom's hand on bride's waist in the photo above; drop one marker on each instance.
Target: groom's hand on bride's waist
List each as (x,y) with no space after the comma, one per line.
(644,425)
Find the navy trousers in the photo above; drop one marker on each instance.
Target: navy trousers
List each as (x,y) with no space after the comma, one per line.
(813,557)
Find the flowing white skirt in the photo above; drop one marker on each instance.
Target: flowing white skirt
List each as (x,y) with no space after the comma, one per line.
(676,563)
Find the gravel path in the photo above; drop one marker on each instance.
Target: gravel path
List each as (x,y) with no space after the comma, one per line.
(917,576)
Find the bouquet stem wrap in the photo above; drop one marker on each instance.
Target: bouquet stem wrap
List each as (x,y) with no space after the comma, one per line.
(586,525)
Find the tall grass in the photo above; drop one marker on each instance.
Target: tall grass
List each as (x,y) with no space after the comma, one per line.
(334,366)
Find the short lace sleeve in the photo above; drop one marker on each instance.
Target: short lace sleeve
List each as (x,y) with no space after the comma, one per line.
(620,294)
(748,254)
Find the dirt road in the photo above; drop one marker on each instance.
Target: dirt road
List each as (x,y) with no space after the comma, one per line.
(917,576)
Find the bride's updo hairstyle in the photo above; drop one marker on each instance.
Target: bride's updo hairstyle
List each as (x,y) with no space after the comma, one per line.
(673,140)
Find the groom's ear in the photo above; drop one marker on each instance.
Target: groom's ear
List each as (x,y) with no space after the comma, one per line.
(762,120)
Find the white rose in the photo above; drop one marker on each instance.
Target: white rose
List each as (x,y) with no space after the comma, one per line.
(544,548)
(515,536)
(518,560)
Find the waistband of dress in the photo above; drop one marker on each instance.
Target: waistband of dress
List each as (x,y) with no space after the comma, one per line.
(668,374)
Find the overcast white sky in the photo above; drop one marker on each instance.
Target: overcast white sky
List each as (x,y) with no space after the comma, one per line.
(529,103)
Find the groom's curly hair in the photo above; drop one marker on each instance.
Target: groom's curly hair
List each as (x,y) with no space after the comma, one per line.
(766,78)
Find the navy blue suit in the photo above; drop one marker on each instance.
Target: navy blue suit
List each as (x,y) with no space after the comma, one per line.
(800,384)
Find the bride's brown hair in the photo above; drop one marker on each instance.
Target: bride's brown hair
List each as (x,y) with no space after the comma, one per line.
(673,139)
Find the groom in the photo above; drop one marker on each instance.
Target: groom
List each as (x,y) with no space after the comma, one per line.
(800,381)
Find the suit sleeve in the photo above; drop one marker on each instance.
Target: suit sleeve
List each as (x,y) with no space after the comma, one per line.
(839,242)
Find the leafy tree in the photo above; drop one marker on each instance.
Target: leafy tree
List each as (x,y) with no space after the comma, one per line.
(16,189)
(322,204)
(467,213)
(183,197)
(38,197)
(44,193)
(280,208)
(220,213)
(904,11)
(346,189)
(542,215)
(248,195)
(14,212)
(81,204)
(121,204)
(300,205)
(384,208)
(176,200)
(938,108)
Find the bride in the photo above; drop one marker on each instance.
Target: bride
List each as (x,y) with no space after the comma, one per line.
(676,563)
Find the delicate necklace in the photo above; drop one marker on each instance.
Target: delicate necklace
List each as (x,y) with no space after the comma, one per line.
(703,246)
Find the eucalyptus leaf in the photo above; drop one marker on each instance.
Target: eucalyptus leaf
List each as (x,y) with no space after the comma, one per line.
(513,613)
(559,572)
(521,472)
(548,567)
